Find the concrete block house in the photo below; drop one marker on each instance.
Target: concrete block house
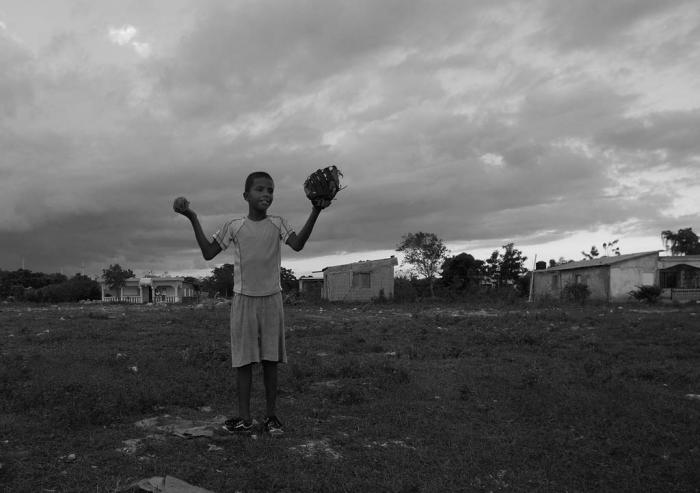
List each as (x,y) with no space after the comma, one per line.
(359,281)
(607,278)
(151,290)
(612,278)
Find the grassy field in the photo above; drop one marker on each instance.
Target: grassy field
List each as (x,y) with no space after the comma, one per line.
(383,397)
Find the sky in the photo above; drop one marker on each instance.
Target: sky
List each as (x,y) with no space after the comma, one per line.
(555,125)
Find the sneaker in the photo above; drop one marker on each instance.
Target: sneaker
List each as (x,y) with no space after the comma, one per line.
(239,426)
(273,426)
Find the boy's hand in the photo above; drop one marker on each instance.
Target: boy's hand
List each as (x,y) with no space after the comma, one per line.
(322,185)
(320,204)
(182,206)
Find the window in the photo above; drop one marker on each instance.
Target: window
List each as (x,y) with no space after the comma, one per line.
(555,282)
(360,279)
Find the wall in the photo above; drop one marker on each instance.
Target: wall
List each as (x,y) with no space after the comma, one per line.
(551,284)
(546,284)
(131,289)
(629,275)
(338,282)
(596,278)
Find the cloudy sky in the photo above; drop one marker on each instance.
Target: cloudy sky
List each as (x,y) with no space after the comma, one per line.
(552,124)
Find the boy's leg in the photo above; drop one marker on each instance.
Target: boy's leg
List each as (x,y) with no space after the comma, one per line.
(245,380)
(270,379)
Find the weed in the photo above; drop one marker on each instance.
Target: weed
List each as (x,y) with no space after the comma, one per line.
(647,293)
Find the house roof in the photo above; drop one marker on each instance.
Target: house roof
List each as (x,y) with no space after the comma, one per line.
(132,280)
(600,262)
(369,264)
(673,260)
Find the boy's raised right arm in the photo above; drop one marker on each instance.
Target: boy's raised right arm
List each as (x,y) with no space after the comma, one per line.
(210,249)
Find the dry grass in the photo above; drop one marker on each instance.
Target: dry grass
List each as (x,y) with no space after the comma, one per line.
(378,398)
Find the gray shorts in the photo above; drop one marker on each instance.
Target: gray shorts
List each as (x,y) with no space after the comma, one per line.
(257,329)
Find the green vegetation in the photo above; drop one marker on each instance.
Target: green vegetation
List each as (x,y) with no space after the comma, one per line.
(376,397)
(426,253)
(115,276)
(683,242)
(25,285)
(647,293)
(576,293)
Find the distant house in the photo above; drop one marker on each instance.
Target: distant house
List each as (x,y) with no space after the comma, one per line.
(151,290)
(607,278)
(679,277)
(310,287)
(359,281)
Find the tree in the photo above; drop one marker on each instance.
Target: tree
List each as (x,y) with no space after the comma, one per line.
(512,263)
(592,254)
(559,261)
(288,280)
(15,283)
(220,282)
(612,247)
(195,282)
(608,247)
(508,266)
(684,242)
(492,265)
(425,251)
(115,277)
(77,288)
(461,270)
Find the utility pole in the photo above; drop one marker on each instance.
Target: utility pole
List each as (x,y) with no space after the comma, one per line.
(532,280)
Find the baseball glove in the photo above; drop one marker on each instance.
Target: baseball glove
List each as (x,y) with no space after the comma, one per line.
(322,185)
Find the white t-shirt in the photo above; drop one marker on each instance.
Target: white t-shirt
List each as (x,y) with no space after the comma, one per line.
(257,254)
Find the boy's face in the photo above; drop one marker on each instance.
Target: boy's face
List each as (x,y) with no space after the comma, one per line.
(259,197)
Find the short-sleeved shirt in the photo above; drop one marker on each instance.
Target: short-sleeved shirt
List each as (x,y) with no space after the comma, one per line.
(257,253)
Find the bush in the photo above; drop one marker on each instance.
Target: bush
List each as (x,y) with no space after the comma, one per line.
(75,289)
(404,291)
(646,293)
(577,293)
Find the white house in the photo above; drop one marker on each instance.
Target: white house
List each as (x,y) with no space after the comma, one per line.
(150,290)
(679,277)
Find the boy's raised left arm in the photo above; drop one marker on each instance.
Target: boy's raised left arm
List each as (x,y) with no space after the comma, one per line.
(297,241)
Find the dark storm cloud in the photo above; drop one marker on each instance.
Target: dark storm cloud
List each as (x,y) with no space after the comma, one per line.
(522,122)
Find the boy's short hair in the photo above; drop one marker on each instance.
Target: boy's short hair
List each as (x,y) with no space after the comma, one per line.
(251,178)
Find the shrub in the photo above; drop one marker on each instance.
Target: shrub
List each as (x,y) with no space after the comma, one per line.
(577,293)
(404,291)
(647,293)
(75,289)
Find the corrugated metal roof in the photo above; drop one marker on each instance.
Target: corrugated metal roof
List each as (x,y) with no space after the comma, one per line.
(364,263)
(601,261)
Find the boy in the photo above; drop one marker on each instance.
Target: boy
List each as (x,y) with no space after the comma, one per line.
(257,317)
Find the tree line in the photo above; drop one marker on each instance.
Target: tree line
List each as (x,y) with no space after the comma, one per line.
(427,254)
(25,285)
